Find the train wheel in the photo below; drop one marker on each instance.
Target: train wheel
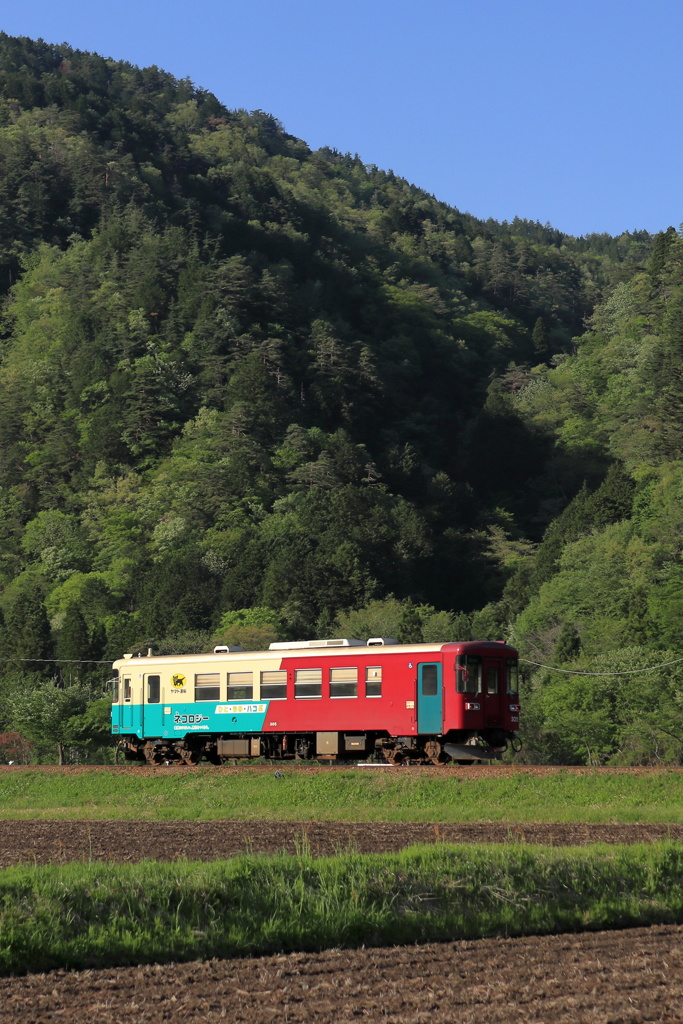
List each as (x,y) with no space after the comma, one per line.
(433,751)
(151,755)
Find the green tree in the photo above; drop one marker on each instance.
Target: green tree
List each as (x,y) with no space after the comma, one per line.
(539,341)
(568,645)
(410,624)
(91,728)
(251,628)
(27,632)
(378,618)
(43,713)
(73,642)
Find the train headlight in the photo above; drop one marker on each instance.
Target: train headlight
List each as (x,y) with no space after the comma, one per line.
(515,707)
(471,706)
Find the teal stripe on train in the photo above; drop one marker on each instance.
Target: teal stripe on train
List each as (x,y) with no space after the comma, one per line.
(175,720)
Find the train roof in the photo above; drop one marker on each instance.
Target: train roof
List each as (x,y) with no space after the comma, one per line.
(312,648)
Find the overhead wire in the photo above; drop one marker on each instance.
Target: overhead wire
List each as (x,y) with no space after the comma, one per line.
(62,661)
(580,672)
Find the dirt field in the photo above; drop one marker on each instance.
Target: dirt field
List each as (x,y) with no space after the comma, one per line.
(603,978)
(49,842)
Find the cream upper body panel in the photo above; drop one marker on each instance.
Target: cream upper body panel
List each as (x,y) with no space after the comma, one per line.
(248,659)
(186,678)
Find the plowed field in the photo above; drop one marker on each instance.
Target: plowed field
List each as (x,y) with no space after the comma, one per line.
(600,978)
(49,842)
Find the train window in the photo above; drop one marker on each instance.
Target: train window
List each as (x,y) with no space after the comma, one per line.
(492,679)
(343,682)
(127,690)
(240,686)
(207,686)
(153,689)
(373,681)
(308,682)
(115,691)
(512,675)
(468,668)
(430,681)
(274,685)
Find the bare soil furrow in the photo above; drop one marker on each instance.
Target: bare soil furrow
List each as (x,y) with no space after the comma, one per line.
(50,841)
(620,977)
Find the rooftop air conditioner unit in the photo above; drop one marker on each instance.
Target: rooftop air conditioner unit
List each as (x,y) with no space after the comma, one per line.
(294,645)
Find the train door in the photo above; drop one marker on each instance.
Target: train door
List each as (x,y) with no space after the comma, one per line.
(493,691)
(151,697)
(116,697)
(429,699)
(126,703)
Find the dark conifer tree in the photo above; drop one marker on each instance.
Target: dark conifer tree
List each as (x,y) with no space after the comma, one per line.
(663,245)
(73,639)
(673,326)
(539,340)
(610,503)
(568,644)
(613,500)
(28,634)
(568,526)
(98,641)
(641,628)
(72,646)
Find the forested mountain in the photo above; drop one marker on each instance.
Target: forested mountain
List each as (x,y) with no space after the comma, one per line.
(249,390)
(604,590)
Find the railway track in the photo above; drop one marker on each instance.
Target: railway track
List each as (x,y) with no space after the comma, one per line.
(432,771)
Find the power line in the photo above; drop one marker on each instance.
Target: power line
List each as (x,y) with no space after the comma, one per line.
(577,672)
(61,661)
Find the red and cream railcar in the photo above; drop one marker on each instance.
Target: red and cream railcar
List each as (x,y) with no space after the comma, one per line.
(320,699)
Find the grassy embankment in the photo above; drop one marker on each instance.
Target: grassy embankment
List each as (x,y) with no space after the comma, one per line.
(351,795)
(103,915)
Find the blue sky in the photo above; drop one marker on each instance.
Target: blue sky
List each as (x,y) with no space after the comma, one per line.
(559,111)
